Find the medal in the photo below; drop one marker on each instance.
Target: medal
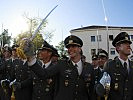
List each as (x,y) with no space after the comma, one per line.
(66,83)
(116,86)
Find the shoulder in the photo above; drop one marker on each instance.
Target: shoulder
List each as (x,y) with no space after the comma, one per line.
(109,63)
(86,64)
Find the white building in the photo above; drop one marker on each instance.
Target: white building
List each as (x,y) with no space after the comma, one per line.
(95,38)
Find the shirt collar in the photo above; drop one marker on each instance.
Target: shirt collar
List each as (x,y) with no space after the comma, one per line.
(47,64)
(122,61)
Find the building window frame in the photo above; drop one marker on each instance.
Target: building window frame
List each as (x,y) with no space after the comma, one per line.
(93,38)
(111,37)
(112,51)
(99,38)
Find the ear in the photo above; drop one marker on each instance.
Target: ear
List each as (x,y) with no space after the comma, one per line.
(118,48)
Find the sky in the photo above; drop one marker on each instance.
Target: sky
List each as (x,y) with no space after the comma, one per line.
(70,14)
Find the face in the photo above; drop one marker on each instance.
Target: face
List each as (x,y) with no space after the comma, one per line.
(44,54)
(124,49)
(7,54)
(102,60)
(14,54)
(38,54)
(74,51)
(95,62)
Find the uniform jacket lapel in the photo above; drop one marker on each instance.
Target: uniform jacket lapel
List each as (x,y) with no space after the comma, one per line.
(121,68)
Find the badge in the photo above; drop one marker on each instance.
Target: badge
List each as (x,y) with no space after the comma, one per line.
(66,82)
(126,38)
(49,81)
(70,41)
(47,89)
(116,86)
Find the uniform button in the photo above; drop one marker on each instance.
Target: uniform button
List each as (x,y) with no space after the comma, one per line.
(77,85)
(126,89)
(38,97)
(126,80)
(39,92)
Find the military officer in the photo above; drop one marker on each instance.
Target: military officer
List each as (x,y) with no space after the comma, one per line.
(43,89)
(75,79)
(55,56)
(6,73)
(21,78)
(118,72)
(102,58)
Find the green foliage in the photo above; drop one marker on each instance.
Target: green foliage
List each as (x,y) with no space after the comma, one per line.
(61,49)
(33,24)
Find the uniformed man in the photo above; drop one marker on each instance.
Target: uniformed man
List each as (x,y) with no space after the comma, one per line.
(14,53)
(102,58)
(117,80)
(55,56)
(75,79)
(43,89)
(5,71)
(21,83)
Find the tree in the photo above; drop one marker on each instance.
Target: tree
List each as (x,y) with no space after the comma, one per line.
(33,23)
(61,49)
(5,38)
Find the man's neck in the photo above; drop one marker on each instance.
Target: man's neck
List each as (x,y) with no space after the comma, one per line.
(76,59)
(123,57)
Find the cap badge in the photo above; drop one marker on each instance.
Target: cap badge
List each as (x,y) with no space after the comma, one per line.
(70,41)
(126,38)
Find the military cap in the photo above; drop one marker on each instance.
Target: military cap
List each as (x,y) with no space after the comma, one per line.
(121,38)
(9,49)
(102,53)
(94,57)
(47,46)
(55,52)
(15,46)
(73,40)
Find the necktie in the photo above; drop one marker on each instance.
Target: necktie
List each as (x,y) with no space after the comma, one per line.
(43,66)
(125,67)
(76,66)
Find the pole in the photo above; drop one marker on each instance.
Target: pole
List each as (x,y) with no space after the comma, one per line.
(106,21)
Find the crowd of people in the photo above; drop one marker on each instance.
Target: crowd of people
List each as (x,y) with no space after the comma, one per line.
(43,76)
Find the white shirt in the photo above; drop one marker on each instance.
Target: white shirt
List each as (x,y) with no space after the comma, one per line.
(47,64)
(122,61)
(79,64)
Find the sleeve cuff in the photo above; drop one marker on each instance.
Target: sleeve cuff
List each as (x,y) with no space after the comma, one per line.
(32,62)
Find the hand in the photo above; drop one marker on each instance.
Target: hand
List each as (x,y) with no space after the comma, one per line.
(16,85)
(5,83)
(28,47)
(11,83)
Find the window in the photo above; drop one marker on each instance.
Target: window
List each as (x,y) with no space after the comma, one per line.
(111,37)
(93,39)
(112,51)
(131,37)
(99,38)
(93,51)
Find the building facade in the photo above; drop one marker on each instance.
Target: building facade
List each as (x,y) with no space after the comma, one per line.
(100,37)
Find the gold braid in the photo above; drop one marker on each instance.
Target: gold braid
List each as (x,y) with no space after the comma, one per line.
(20,53)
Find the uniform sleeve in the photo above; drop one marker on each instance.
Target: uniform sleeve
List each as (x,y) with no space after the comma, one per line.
(44,73)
